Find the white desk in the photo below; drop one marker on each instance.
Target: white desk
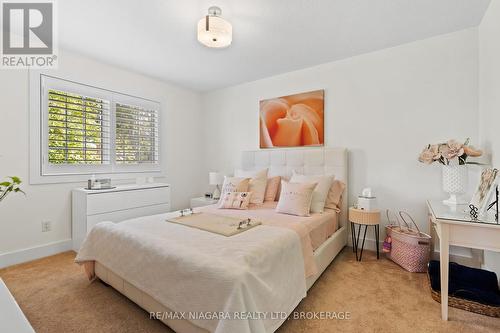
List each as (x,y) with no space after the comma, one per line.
(454,226)
(12,319)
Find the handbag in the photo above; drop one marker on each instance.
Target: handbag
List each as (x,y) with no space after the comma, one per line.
(410,248)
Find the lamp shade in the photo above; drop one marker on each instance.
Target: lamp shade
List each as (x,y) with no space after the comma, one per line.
(214,31)
(215,178)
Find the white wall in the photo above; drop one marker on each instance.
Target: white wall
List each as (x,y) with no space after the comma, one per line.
(489,95)
(383,106)
(20,217)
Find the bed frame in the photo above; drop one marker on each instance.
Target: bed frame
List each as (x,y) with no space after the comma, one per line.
(280,163)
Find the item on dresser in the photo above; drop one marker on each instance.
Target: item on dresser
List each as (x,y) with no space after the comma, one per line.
(410,248)
(320,193)
(215,179)
(217,224)
(99,184)
(295,198)
(485,190)
(257,185)
(367,218)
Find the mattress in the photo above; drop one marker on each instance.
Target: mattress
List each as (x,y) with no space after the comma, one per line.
(320,225)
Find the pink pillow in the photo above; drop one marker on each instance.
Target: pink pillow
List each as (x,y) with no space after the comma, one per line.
(273,185)
(295,198)
(235,200)
(334,197)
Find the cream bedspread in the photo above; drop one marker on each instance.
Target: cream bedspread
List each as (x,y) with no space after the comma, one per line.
(257,275)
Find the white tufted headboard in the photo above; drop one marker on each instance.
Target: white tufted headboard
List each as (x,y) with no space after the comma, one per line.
(307,161)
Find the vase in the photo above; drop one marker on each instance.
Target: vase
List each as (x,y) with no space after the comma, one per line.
(454,182)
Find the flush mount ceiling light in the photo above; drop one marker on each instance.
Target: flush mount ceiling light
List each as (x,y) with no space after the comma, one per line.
(214,31)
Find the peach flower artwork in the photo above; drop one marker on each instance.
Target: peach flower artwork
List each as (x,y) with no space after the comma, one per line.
(293,121)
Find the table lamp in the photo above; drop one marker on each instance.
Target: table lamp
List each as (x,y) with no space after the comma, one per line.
(215,179)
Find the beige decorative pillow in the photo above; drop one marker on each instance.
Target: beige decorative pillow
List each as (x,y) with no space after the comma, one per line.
(320,192)
(234,184)
(272,187)
(295,198)
(257,183)
(235,200)
(334,198)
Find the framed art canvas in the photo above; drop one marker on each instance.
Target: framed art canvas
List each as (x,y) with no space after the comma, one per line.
(293,121)
(485,189)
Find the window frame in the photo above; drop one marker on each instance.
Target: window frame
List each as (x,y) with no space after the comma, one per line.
(42,172)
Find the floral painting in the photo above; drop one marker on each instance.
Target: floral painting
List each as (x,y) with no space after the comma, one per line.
(293,121)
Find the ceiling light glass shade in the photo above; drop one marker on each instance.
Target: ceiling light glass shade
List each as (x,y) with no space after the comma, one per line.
(214,31)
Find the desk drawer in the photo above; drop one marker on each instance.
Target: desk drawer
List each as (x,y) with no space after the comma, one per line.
(99,203)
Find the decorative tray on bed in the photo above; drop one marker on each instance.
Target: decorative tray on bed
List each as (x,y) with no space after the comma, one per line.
(218,224)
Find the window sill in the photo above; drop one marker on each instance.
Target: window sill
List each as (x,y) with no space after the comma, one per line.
(36,179)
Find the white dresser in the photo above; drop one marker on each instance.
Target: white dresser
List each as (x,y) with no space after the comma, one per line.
(121,203)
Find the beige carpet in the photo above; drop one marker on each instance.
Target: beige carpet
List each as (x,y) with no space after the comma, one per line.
(380,297)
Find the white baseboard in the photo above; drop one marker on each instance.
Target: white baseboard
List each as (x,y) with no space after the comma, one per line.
(37,252)
(369,244)
(471,261)
(461,259)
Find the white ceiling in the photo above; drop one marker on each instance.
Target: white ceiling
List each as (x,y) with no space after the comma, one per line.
(158,37)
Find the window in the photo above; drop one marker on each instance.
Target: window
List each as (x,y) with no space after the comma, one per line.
(87,130)
(79,129)
(136,135)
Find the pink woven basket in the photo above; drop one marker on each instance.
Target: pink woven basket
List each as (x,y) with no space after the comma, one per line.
(410,248)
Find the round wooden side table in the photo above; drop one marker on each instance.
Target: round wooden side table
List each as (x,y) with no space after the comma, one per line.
(367,218)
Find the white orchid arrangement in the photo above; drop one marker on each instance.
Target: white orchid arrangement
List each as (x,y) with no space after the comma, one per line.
(449,152)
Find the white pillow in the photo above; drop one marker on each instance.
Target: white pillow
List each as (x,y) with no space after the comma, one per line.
(295,198)
(320,192)
(257,185)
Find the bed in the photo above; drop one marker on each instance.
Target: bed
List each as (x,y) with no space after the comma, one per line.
(193,281)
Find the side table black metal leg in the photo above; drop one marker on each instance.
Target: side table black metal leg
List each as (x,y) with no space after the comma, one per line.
(377,235)
(357,242)
(353,237)
(363,244)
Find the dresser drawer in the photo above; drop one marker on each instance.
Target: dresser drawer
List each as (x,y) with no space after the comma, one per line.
(126,214)
(99,203)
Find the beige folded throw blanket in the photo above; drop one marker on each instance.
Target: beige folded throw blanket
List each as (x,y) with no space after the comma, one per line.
(217,224)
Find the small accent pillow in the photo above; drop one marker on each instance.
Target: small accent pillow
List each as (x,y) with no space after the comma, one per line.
(272,187)
(320,192)
(335,194)
(257,184)
(295,198)
(234,184)
(235,200)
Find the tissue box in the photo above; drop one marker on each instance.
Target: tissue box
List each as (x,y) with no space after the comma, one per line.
(367,203)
